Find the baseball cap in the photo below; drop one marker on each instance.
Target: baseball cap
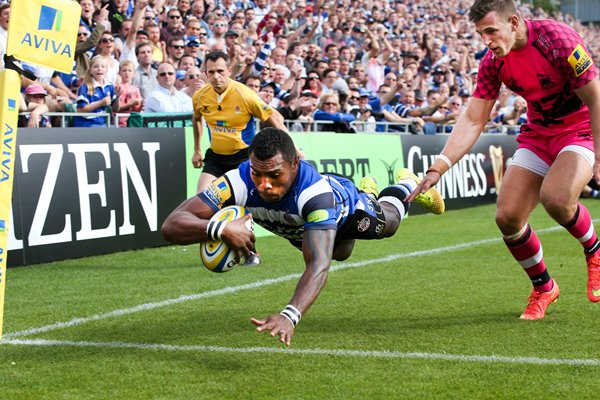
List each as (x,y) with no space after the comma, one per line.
(308,9)
(142,32)
(35,88)
(272,84)
(179,74)
(191,40)
(438,71)
(464,93)
(425,69)
(232,33)
(419,95)
(362,92)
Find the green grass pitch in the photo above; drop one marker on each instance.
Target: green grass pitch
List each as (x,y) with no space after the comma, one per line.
(430,313)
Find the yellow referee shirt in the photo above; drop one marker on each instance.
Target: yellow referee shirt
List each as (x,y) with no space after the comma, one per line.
(230,116)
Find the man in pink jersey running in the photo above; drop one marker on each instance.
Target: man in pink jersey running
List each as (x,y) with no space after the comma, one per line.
(546,63)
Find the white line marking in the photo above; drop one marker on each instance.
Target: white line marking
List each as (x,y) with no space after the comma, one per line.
(253,285)
(318,352)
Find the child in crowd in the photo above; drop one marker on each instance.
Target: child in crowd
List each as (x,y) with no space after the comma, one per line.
(35,102)
(130,98)
(94,95)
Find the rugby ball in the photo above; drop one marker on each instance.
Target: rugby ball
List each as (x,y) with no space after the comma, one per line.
(216,255)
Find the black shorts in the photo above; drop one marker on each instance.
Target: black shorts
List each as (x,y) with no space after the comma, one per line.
(364,224)
(217,164)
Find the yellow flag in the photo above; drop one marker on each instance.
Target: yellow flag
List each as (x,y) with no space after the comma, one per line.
(44,32)
(10,84)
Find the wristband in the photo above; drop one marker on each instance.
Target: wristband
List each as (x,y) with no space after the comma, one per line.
(292,314)
(441,165)
(445,159)
(214,229)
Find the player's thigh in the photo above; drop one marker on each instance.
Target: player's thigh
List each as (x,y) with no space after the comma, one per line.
(565,180)
(519,195)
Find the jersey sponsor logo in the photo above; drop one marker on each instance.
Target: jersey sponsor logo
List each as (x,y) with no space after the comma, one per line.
(2,225)
(318,216)
(221,123)
(580,60)
(218,192)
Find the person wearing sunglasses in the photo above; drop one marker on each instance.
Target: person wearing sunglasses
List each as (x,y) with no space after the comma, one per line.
(193,81)
(175,50)
(105,50)
(174,26)
(166,98)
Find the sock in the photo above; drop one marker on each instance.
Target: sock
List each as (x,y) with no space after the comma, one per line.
(595,194)
(582,229)
(396,195)
(527,250)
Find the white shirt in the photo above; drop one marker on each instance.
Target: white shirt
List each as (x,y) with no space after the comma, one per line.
(163,100)
(3,39)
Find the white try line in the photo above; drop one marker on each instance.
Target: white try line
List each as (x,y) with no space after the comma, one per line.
(253,285)
(317,352)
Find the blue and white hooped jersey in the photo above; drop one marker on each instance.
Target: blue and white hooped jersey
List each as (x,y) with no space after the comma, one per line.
(314,201)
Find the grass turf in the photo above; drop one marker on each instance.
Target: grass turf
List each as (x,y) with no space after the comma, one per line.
(427,325)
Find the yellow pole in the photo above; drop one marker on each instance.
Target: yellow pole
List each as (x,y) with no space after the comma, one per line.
(10,84)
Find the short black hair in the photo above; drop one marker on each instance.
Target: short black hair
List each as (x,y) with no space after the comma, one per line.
(481,8)
(269,142)
(215,55)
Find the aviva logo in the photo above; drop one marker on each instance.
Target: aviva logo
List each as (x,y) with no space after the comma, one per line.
(50,19)
(12,104)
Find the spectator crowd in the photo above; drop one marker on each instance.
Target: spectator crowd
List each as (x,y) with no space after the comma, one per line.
(353,65)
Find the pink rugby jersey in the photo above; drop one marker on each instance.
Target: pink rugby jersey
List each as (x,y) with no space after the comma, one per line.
(544,72)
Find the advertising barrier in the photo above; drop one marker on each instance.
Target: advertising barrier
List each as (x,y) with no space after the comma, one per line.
(80,192)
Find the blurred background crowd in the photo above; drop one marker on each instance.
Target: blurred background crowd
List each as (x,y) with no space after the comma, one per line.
(383,65)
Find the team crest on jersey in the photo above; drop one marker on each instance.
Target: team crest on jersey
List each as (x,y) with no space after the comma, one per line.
(318,216)
(364,224)
(580,60)
(218,192)
(237,110)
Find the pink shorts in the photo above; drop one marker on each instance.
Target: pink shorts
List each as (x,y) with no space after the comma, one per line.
(541,150)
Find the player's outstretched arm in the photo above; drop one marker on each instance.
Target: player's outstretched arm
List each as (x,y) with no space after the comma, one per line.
(317,247)
(465,133)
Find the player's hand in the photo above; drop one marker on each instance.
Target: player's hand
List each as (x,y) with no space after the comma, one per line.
(197,160)
(428,182)
(276,325)
(239,236)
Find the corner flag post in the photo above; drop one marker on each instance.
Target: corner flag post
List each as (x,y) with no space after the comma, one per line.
(42,32)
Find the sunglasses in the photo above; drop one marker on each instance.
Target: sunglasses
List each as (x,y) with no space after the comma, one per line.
(178,46)
(455,104)
(163,74)
(193,76)
(107,40)
(148,18)
(202,33)
(354,98)
(83,34)
(174,16)
(391,79)
(266,69)
(312,78)
(330,104)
